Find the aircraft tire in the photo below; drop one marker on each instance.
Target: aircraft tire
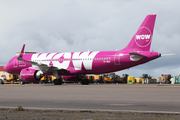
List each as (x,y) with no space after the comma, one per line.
(85,82)
(21,82)
(60,81)
(57,81)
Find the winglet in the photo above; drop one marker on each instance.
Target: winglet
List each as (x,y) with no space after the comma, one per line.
(21,53)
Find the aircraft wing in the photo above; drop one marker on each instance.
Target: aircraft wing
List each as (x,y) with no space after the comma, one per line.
(41,66)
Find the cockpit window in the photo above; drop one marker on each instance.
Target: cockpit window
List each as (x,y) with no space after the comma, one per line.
(9,61)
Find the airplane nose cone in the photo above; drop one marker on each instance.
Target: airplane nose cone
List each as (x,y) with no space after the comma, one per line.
(5,68)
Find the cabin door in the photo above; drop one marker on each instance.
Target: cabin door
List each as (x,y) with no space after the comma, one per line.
(15,63)
(117,58)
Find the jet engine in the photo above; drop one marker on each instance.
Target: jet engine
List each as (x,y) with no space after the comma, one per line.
(31,75)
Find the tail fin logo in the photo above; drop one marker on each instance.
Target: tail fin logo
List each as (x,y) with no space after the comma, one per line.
(143,37)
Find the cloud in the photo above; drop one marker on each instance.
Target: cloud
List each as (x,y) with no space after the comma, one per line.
(76,25)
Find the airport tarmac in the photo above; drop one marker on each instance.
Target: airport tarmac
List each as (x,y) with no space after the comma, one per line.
(150,98)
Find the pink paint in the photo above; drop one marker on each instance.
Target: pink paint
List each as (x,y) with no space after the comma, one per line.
(142,38)
(27,75)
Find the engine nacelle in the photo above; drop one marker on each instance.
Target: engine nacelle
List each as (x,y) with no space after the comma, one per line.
(31,75)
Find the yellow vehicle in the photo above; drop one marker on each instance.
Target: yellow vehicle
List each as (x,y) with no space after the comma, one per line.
(113,78)
(98,78)
(47,79)
(131,80)
(53,77)
(108,78)
(139,80)
(166,78)
(90,78)
(123,79)
(13,79)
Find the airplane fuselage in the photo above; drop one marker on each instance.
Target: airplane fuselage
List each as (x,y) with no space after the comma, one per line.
(95,62)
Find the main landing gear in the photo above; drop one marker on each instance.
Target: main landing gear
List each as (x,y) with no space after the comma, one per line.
(84,80)
(58,81)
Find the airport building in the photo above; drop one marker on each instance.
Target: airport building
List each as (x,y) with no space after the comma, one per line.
(3,73)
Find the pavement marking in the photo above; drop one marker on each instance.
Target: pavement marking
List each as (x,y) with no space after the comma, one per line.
(120,104)
(94,110)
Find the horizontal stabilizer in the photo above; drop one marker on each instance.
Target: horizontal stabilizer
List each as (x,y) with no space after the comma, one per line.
(137,54)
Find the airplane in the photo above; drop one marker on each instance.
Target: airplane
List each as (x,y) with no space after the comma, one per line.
(74,66)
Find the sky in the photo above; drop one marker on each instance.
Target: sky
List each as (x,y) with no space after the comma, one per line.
(95,25)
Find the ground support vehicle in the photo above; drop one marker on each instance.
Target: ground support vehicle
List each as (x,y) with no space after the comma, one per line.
(98,78)
(166,78)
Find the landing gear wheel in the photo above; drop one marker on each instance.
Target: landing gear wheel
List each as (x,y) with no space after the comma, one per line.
(57,81)
(21,82)
(85,82)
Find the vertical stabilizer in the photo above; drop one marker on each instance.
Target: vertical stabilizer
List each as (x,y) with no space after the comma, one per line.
(141,41)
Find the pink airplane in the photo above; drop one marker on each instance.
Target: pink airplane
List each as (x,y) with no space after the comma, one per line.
(74,66)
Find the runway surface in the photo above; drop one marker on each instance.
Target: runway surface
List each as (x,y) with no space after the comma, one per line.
(104,97)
